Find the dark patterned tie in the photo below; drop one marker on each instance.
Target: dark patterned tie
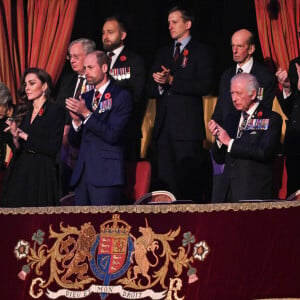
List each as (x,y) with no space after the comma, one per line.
(176,52)
(79,87)
(96,99)
(240,70)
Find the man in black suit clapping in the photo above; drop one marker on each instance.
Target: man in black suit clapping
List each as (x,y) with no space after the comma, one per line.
(248,145)
(182,73)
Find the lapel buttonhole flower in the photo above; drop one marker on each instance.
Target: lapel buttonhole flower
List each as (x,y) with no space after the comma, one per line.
(123,58)
(41,111)
(259,114)
(107,96)
(185,52)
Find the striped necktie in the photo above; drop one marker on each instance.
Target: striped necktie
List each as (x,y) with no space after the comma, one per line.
(79,87)
(96,99)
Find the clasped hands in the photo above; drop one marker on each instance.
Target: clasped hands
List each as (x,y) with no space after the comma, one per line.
(218,132)
(283,79)
(163,77)
(76,109)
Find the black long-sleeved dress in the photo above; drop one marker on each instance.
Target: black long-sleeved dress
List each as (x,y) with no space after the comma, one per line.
(31,178)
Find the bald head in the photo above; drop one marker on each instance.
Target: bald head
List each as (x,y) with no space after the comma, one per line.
(242,44)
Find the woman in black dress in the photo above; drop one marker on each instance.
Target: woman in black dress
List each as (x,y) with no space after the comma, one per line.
(32,176)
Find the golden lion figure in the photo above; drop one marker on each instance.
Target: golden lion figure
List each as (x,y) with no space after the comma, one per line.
(77,252)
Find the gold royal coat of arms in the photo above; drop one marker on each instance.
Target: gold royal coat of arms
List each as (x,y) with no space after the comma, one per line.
(112,262)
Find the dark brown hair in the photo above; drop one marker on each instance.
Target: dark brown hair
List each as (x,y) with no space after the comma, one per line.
(24,104)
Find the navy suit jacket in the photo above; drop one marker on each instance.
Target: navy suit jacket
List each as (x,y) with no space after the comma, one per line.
(180,106)
(134,82)
(224,106)
(249,165)
(99,139)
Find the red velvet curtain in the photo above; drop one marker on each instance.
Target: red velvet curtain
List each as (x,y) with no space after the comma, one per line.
(12,46)
(278,25)
(38,38)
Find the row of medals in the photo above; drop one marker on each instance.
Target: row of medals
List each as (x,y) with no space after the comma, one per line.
(120,73)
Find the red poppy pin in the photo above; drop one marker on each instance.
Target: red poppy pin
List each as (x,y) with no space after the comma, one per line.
(123,58)
(107,96)
(185,52)
(259,114)
(41,111)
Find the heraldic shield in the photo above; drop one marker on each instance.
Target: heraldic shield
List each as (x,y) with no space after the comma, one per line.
(111,251)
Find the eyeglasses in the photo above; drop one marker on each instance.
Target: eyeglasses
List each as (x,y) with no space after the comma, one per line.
(75,56)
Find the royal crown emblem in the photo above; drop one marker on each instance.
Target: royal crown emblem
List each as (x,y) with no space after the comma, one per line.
(77,262)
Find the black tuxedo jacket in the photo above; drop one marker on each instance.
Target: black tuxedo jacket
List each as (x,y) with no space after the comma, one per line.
(248,168)
(129,72)
(224,106)
(66,89)
(291,108)
(180,105)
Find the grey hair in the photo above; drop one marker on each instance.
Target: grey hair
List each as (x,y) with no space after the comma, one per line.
(252,83)
(88,45)
(5,96)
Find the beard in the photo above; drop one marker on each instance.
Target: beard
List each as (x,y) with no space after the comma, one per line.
(112,46)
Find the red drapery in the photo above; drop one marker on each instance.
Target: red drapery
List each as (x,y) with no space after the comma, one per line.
(278,25)
(12,46)
(38,38)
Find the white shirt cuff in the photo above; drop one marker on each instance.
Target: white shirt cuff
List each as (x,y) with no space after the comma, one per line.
(76,128)
(219,143)
(230,145)
(87,117)
(160,89)
(285,95)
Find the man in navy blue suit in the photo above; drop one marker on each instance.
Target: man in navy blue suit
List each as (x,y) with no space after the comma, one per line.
(98,121)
